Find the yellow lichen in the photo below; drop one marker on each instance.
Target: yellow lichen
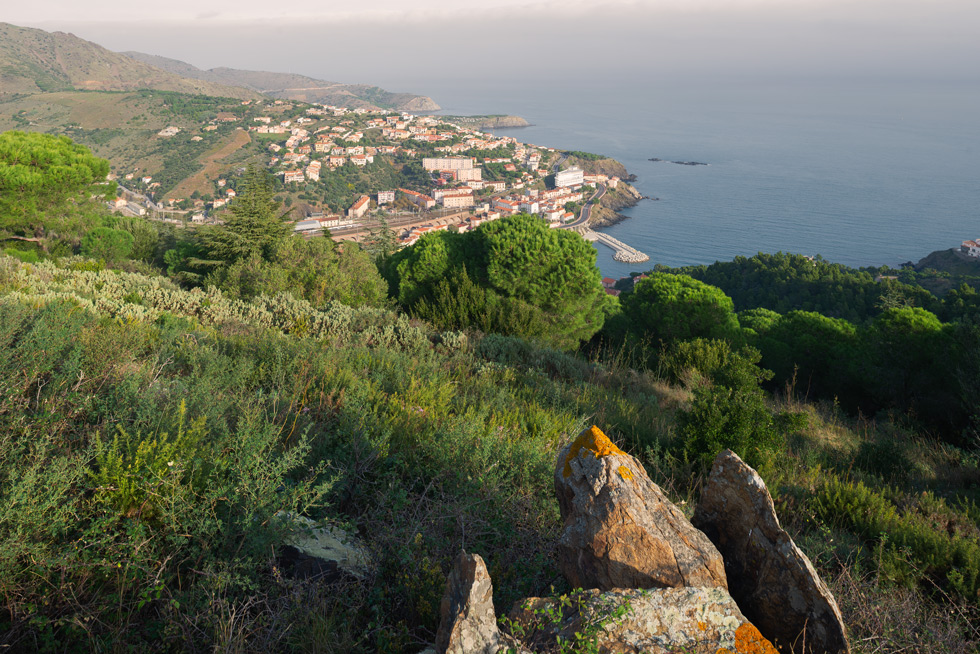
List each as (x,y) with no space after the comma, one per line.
(703,626)
(748,640)
(625,473)
(591,440)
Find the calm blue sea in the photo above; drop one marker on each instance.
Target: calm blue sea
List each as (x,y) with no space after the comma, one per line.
(862,174)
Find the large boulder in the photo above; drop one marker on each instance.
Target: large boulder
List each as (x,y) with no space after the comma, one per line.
(771,579)
(631,621)
(621,531)
(468,624)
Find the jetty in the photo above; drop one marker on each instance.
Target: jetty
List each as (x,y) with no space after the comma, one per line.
(622,252)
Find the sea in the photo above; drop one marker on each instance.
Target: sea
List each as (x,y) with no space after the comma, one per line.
(865,173)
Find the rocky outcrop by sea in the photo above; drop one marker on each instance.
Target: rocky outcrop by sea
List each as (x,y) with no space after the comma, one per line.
(606,213)
(648,580)
(679,163)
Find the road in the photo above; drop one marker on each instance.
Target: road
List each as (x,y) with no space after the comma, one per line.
(562,159)
(583,218)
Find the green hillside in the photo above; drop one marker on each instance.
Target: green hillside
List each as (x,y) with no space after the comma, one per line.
(34,61)
(404,435)
(123,127)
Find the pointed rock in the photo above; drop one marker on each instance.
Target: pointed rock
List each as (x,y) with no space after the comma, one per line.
(621,531)
(635,621)
(468,624)
(771,579)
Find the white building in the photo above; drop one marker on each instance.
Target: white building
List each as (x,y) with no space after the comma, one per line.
(971,248)
(570,177)
(447,163)
(457,200)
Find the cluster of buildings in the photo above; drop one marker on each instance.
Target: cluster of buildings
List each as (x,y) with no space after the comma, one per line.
(310,144)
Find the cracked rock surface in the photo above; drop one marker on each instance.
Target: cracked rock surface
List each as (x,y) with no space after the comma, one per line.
(621,531)
(768,575)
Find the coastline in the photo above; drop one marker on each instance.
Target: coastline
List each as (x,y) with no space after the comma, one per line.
(606,213)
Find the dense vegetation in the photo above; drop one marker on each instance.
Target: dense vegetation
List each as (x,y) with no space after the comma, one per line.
(514,276)
(786,282)
(832,333)
(170,398)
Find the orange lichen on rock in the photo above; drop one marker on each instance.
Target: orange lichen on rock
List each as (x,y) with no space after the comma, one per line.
(592,440)
(625,473)
(748,640)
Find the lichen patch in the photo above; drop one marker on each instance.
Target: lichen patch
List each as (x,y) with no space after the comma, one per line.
(591,440)
(748,640)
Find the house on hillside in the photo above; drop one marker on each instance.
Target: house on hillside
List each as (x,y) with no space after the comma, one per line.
(971,248)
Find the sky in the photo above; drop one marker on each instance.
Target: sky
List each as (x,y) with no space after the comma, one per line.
(423,44)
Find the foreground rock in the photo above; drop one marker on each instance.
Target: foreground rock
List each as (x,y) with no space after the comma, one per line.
(620,529)
(768,575)
(467,622)
(627,621)
(323,552)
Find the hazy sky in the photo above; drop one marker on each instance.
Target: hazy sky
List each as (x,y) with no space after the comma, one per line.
(429,43)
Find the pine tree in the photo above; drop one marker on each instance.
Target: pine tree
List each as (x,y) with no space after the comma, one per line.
(254,228)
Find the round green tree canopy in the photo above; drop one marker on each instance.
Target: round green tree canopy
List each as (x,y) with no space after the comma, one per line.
(678,307)
(44,178)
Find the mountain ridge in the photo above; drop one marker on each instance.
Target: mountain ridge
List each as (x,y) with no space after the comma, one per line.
(34,61)
(292,86)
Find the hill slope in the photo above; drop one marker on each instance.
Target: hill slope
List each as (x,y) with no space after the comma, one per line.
(179,424)
(288,86)
(34,61)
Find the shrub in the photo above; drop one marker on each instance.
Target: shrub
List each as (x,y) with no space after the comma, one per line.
(135,475)
(950,559)
(109,245)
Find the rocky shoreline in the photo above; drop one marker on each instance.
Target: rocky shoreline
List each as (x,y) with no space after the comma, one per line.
(606,213)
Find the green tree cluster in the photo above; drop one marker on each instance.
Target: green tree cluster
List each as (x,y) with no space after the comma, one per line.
(254,228)
(787,282)
(667,308)
(48,185)
(254,253)
(513,276)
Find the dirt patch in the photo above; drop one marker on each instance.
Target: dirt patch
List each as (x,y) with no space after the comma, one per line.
(201,180)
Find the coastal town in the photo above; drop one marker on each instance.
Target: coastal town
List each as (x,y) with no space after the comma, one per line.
(346,171)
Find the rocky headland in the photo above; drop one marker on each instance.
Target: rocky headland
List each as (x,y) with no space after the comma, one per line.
(602,166)
(606,212)
(648,580)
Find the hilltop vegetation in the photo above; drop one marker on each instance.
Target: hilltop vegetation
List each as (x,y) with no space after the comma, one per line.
(170,400)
